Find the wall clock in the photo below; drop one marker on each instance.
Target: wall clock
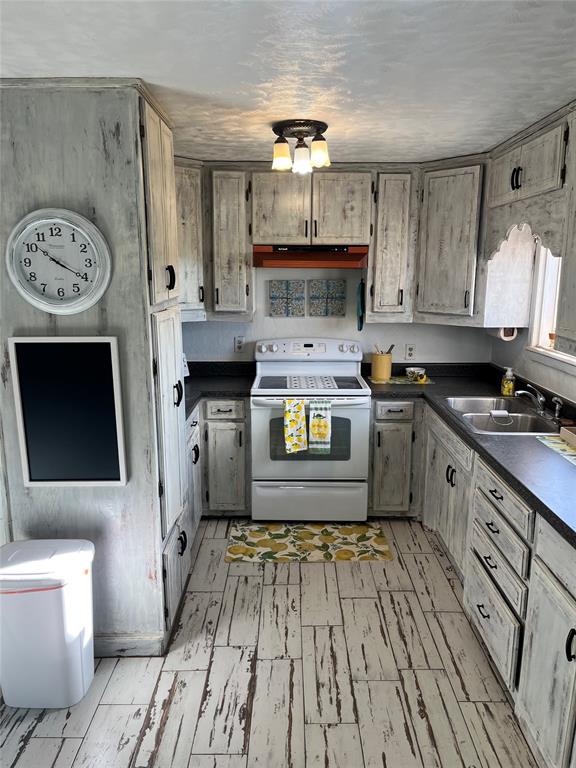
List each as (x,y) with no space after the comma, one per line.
(58,261)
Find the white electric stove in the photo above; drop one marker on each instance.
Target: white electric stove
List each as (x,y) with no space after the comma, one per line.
(304,486)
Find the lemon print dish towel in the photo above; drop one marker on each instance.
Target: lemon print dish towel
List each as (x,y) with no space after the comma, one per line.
(320,426)
(295,439)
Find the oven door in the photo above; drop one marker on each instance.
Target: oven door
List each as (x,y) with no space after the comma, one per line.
(348,456)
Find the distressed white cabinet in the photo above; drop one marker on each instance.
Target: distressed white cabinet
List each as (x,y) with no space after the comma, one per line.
(448,240)
(231,255)
(546,702)
(172,572)
(281,208)
(226,465)
(532,168)
(390,255)
(566,320)
(391,467)
(170,414)
(341,208)
(189,219)
(160,190)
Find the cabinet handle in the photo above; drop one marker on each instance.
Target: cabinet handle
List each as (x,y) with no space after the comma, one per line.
(447,475)
(494,493)
(179,389)
(492,527)
(196,452)
(171,284)
(394,410)
(452,475)
(223,410)
(217,296)
(466,299)
(201,294)
(488,560)
(182,539)
(512,179)
(400,296)
(306,228)
(379,440)
(315,228)
(240,439)
(518,172)
(482,611)
(569,640)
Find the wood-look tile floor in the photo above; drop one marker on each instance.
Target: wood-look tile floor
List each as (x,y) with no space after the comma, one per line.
(336,665)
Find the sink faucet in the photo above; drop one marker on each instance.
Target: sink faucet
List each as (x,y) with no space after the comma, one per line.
(537,398)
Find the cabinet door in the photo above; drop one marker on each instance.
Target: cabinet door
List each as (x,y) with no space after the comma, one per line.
(172,569)
(391,467)
(541,163)
(436,486)
(547,692)
(281,208)
(160,205)
(566,320)
(460,484)
(500,172)
(170,408)
(197,474)
(230,245)
(391,248)
(189,214)
(226,465)
(342,208)
(448,240)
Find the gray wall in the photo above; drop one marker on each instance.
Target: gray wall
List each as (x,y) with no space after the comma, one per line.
(214,340)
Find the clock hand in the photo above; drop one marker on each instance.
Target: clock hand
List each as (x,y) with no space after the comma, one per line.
(60,263)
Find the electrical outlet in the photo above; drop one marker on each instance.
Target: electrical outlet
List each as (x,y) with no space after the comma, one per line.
(409,351)
(238,343)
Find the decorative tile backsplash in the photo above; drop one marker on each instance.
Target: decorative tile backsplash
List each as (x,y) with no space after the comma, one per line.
(286,298)
(327,298)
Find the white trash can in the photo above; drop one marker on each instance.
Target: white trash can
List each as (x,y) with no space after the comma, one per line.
(46,644)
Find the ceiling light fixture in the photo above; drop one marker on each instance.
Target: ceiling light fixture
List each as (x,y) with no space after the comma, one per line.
(304,158)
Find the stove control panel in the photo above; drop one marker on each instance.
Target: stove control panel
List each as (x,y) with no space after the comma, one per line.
(308,349)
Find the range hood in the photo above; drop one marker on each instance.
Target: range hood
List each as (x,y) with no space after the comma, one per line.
(311,256)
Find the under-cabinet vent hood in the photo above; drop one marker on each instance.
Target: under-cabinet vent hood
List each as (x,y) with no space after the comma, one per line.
(311,256)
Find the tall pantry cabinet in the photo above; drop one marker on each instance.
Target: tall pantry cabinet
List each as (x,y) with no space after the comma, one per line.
(102,148)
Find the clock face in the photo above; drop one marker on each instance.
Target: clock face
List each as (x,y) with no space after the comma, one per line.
(58,261)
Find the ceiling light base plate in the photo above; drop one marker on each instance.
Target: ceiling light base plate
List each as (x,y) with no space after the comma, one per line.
(295,129)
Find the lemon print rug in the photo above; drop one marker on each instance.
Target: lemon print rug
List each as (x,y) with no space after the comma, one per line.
(306,542)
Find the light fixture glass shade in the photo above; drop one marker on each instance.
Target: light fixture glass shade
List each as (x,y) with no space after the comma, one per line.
(301,164)
(281,160)
(319,152)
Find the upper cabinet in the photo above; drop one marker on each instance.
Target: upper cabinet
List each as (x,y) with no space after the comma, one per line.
(448,240)
(327,208)
(160,191)
(389,260)
(189,218)
(231,257)
(341,208)
(281,208)
(530,169)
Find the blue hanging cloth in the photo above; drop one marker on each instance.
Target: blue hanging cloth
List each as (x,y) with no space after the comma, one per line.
(361,304)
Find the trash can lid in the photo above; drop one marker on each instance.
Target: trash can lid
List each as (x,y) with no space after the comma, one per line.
(43,562)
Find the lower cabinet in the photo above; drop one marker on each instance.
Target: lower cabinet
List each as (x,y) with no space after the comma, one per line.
(225,462)
(546,703)
(173,574)
(447,497)
(391,466)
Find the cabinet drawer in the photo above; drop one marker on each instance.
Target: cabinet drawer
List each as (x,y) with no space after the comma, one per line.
(557,553)
(505,500)
(394,411)
(501,534)
(514,589)
(498,626)
(451,443)
(225,409)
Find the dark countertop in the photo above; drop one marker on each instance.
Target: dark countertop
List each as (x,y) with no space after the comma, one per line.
(542,478)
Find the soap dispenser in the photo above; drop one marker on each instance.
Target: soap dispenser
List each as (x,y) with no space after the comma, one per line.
(508,383)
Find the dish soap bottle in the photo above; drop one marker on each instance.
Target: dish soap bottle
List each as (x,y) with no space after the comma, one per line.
(508,383)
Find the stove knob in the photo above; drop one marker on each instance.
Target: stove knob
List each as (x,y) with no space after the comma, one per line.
(354,348)
(262,348)
(273,348)
(343,347)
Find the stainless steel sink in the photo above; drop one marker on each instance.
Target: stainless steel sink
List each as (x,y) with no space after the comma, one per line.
(513,424)
(486,404)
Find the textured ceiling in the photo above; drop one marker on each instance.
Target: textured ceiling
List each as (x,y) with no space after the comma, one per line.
(406,80)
